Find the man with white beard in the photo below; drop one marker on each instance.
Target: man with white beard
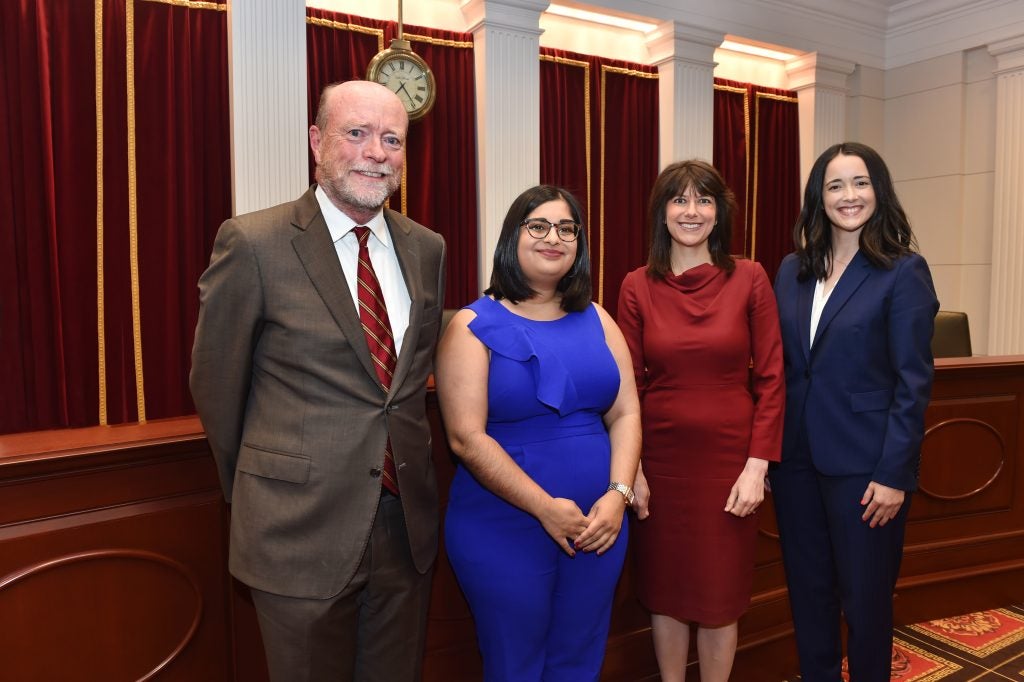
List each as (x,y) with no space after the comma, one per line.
(317,326)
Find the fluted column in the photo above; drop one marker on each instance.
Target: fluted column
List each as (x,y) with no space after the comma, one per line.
(1006,310)
(269,140)
(820,84)
(506,47)
(684,56)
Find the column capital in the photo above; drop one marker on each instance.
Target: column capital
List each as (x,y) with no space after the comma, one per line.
(1009,55)
(512,15)
(818,70)
(672,40)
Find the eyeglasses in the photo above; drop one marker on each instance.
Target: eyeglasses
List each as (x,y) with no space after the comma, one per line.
(539,228)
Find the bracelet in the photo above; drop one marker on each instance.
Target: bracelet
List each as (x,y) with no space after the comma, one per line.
(626,491)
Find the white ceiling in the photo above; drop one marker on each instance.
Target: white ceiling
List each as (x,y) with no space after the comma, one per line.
(878,33)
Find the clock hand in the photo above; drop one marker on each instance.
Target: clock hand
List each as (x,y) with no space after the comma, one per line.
(401,88)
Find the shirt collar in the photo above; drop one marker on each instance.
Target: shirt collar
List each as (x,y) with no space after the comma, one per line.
(340,224)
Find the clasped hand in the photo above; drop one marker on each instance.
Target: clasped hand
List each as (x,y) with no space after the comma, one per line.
(595,532)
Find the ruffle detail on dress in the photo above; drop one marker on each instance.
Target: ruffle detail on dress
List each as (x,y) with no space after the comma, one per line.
(555,387)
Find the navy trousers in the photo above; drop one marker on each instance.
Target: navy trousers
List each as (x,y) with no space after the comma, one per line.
(836,566)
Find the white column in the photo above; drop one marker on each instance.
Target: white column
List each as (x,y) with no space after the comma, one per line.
(820,84)
(506,47)
(684,56)
(1006,304)
(269,121)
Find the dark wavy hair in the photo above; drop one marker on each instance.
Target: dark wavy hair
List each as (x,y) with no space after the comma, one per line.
(507,278)
(672,182)
(885,237)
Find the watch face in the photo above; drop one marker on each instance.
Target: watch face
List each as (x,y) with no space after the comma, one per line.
(407,79)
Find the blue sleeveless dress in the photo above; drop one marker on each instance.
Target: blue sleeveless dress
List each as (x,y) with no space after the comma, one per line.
(539,614)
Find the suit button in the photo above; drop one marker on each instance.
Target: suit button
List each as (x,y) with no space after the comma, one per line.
(807,374)
(375,472)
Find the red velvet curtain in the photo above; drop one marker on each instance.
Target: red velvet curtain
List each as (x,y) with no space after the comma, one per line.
(105,246)
(566,123)
(776,191)
(599,132)
(629,147)
(440,187)
(757,149)
(731,155)
(48,340)
(184,183)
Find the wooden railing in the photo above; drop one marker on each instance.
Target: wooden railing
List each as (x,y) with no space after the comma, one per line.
(113,550)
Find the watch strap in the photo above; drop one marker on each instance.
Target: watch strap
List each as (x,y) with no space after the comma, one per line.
(625,490)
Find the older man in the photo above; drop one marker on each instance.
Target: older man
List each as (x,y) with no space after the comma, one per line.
(316,334)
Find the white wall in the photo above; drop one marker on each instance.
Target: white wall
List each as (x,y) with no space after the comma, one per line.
(939,144)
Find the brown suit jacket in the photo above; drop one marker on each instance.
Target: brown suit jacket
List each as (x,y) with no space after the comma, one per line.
(284,385)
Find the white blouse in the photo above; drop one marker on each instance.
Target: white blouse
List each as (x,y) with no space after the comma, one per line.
(817,305)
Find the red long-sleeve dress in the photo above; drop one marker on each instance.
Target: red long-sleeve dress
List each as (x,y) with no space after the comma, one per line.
(708,362)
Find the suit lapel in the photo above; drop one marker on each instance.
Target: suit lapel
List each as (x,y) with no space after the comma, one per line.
(856,272)
(315,249)
(407,249)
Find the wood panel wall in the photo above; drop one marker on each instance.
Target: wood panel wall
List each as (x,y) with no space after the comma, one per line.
(113,550)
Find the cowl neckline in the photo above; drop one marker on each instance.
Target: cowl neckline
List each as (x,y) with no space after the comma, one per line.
(694,279)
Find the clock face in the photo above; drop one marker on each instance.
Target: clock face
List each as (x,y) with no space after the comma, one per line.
(408,79)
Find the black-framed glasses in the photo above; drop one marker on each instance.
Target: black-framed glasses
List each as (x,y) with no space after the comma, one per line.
(539,228)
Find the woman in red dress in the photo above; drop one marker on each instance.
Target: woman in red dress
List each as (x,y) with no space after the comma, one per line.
(703,331)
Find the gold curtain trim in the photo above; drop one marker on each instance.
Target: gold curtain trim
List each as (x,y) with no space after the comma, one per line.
(779,98)
(587,151)
(192,4)
(757,143)
(347,26)
(444,42)
(133,211)
(628,72)
(100,317)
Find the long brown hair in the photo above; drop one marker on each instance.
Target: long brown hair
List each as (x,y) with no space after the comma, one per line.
(672,182)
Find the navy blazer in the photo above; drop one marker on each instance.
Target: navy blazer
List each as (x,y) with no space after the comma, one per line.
(862,388)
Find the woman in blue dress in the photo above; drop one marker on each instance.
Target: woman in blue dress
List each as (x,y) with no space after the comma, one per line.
(540,405)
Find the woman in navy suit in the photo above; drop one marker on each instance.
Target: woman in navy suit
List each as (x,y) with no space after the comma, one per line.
(857,307)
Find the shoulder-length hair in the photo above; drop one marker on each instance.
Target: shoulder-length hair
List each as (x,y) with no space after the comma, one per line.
(673,182)
(885,236)
(507,278)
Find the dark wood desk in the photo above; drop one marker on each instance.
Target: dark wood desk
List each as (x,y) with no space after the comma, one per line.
(113,550)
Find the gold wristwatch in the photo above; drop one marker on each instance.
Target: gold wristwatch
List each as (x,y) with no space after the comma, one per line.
(626,491)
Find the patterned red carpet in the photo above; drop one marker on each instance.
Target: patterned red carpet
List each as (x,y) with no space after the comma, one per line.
(986,645)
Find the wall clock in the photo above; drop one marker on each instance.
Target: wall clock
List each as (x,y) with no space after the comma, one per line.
(406,74)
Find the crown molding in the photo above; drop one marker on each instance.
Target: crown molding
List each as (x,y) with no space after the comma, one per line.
(881,34)
(915,15)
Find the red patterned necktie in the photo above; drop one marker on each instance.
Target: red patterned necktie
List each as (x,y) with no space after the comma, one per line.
(373,315)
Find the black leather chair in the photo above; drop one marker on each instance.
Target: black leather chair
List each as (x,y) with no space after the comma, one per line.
(952,337)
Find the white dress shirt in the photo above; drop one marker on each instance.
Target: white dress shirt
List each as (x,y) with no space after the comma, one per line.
(382,256)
